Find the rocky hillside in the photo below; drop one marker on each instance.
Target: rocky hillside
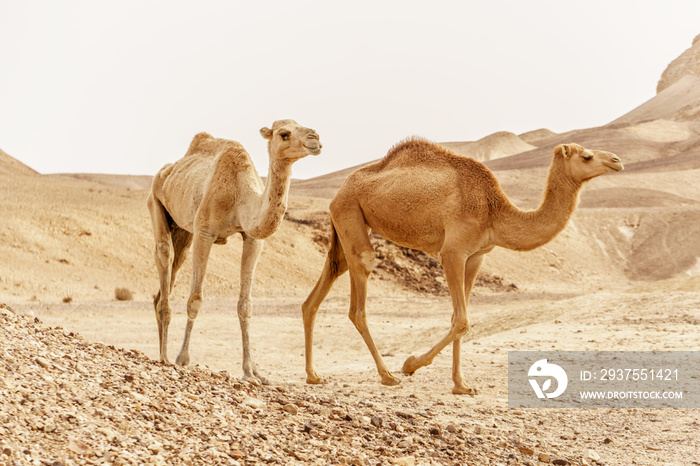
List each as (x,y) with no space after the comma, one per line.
(687,64)
(69,401)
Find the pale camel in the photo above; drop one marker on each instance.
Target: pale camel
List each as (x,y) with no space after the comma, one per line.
(423,196)
(208,195)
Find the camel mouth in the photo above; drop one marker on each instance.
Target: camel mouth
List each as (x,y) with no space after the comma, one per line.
(614,168)
(313,150)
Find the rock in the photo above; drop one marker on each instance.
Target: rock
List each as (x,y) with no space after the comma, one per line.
(78,447)
(377,422)
(253,402)
(340,412)
(405,461)
(592,455)
(525,450)
(291,409)
(406,443)
(560,461)
(110,434)
(544,458)
(43,362)
(155,448)
(435,431)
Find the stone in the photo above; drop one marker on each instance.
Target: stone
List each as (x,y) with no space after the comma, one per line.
(544,458)
(405,461)
(592,455)
(253,402)
(79,447)
(291,409)
(43,362)
(526,450)
(406,443)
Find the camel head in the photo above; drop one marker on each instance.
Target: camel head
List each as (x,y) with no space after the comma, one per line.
(585,164)
(289,141)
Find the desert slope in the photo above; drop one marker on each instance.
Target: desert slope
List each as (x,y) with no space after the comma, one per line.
(13,167)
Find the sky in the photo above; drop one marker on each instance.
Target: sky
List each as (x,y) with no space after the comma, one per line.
(122,87)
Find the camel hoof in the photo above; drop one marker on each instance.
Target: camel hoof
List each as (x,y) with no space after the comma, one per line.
(182,360)
(464,390)
(251,380)
(390,380)
(410,366)
(262,379)
(315,379)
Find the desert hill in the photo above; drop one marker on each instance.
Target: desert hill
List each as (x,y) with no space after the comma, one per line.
(687,64)
(494,146)
(12,166)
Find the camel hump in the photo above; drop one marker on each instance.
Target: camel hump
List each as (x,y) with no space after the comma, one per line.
(416,151)
(198,141)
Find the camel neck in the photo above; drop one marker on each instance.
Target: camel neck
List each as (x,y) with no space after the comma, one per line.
(525,230)
(273,200)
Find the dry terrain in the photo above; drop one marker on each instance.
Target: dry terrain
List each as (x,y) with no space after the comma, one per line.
(79,383)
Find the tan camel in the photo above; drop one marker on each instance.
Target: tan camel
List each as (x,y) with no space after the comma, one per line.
(423,196)
(208,195)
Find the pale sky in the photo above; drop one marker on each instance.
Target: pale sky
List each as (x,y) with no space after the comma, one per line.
(122,86)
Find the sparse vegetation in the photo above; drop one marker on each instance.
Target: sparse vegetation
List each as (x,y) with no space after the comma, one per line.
(68,299)
(123,294)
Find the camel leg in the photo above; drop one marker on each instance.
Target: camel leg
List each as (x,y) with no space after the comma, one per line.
(200,255)
(360,255)
(313,302)
(164,260)
(182,239)
(252,248)
(454,265)
(471,269)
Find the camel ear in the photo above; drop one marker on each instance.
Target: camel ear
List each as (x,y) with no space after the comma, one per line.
(266,132)
(566,150)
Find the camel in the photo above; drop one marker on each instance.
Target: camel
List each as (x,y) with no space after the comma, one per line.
(208,195)
(424,196)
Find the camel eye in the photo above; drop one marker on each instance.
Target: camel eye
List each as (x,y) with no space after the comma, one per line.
(587,157)
(284,135)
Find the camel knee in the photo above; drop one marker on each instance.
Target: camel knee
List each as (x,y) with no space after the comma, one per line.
(163,256)
(193,306)
(359,323)
(367,260)
(308,310)
(245,308)
(460,328)
(163,312)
